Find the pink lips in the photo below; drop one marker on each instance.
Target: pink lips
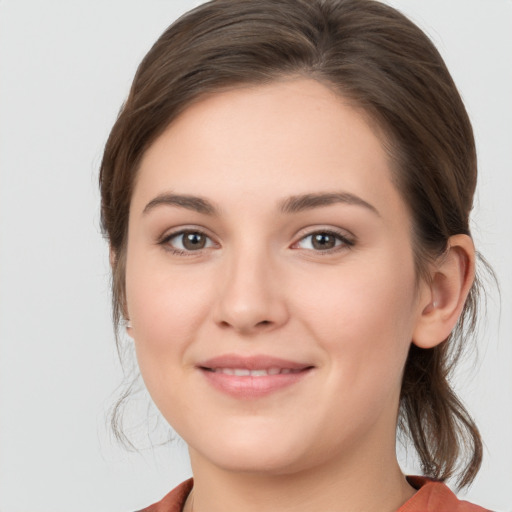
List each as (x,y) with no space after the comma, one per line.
(252,376)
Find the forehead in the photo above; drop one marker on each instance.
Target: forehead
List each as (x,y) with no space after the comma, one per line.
(265,142)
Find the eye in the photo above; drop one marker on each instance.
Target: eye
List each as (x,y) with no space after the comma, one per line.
(187,241)
(324,241)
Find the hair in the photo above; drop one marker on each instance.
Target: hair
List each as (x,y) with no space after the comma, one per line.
(375,57)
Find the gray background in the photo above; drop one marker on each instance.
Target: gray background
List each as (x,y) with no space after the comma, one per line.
(65,67)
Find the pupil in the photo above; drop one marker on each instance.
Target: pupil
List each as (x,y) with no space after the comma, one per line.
(193,241)
(323,241)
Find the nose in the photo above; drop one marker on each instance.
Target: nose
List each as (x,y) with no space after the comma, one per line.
(251,295)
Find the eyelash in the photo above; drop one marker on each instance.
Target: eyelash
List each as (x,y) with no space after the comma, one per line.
(345,241)
(165,242)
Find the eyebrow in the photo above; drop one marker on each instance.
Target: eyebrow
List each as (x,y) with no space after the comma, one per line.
(300,203)
(293,204)
(197,204)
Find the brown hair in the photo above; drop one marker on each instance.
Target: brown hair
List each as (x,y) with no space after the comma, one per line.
(375,56)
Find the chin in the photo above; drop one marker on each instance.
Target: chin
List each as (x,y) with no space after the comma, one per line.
(257,463)
(251,454)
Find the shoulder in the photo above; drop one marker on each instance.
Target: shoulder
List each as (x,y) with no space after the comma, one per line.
(174,501)
(433,496)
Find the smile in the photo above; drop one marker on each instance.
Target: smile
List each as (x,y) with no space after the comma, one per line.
(244,372)
(251,377)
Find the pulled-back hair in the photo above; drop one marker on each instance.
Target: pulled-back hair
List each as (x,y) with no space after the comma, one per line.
(375,57)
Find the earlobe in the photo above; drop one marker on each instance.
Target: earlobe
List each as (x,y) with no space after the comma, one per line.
(452,278)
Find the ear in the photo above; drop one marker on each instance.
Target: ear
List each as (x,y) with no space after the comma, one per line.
(129,329)
(441,305)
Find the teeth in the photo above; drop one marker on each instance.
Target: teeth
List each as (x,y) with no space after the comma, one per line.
(243,372)
(258,373)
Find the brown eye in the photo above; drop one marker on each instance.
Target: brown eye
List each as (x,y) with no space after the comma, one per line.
(188,241)
(193,240)
(324,241)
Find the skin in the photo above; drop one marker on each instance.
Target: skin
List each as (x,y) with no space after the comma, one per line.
(260,286)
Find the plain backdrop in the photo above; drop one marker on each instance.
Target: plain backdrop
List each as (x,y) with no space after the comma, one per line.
(65,68)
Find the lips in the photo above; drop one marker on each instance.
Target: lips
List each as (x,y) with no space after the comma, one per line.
(243,372)
(252,376)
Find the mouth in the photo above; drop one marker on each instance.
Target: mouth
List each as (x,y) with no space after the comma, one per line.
(244,372)
(254,376)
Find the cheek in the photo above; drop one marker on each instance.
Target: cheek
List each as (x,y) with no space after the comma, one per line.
(363,315)
(165,308)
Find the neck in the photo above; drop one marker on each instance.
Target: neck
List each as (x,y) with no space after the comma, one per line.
(377,485)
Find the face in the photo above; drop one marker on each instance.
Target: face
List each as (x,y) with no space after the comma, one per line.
(270,279)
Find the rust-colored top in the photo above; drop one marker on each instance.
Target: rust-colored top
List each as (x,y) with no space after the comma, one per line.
(174,501)
(431,497)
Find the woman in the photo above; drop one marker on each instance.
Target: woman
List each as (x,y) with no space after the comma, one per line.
(286,193)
